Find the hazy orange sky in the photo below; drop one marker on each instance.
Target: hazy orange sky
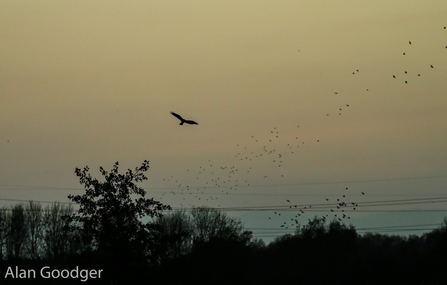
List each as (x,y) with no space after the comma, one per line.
(91,83)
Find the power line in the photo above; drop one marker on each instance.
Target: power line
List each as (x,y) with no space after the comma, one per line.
(38,201)
(275,232)
(274,235)
(320,207)
(309,207)
(363,228)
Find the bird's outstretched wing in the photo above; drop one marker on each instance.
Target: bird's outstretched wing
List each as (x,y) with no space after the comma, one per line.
(177,116)
(191,122)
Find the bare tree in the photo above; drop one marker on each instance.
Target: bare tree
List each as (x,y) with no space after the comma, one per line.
(211,223)
(176,234)
(57,239)
(3,230)
(16,232)
(33,216)
(180,231)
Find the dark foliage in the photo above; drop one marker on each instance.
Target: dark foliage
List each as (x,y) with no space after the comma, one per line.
(110,220)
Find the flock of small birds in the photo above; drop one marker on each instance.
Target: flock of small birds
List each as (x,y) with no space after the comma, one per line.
(273,148)
(269,150)
(336,209)
(406,74)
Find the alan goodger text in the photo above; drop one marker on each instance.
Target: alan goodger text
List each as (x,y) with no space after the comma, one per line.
(46,273)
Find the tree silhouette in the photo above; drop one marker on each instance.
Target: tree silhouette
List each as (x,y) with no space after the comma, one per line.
(436,253)
(177,235)
(205,247)
(17,231)
(211,223)
(58,240)
(182,233)
(3,230)
(33,215)
(110,219)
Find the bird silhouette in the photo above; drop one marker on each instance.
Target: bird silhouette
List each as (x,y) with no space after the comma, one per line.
(183,121)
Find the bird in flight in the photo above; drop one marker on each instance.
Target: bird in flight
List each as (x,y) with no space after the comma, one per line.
(183,121)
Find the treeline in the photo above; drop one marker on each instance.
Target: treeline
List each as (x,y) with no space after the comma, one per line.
(318,253)
(33,236)
(206,246)
(31,231)
(132,239)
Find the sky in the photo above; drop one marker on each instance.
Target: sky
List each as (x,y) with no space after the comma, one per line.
(295,100)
